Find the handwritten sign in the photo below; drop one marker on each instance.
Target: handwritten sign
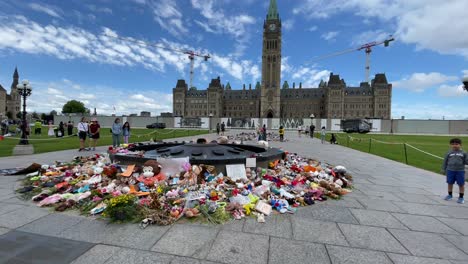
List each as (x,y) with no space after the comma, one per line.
(236,172)
(251,162)
(263,208)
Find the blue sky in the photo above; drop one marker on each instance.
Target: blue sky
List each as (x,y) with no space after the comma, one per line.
(64,48)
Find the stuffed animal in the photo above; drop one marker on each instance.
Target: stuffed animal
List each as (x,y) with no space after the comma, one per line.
(148,171)
(155,165)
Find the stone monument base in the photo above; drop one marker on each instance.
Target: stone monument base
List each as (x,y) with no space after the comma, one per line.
(23,150)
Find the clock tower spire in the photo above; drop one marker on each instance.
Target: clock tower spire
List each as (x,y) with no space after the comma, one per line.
(271,64)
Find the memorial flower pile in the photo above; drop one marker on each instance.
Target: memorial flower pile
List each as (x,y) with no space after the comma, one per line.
(154,195)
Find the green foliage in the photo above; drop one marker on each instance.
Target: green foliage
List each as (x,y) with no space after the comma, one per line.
(123,208)
(74,106)
(19,115)
(43,116)
(9,114)
(35,115)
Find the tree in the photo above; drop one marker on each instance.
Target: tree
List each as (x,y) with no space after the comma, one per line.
(35,115)
(43,116)
(53,113)
(9,114)
(19,115)
(74,106)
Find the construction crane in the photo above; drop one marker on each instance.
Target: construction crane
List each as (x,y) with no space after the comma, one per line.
(366,47)
(191,54)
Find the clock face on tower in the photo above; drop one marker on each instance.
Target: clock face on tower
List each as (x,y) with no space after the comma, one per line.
(272,27)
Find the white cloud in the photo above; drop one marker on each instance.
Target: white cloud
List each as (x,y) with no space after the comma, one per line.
(312,28)
(167,15)
(46,9)
(97,9)
(429,111)
(288,24)
(218,22)
(48,96)
(451,91)
(429,24)
(330,36)
(418,82)
(67,43)
(369,36)
(310,77)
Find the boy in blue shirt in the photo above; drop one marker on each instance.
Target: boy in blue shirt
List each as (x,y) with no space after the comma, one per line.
(454,167)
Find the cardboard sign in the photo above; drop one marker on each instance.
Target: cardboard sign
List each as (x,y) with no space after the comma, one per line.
(236,172)
(251,163)
(263,208)
(129,171)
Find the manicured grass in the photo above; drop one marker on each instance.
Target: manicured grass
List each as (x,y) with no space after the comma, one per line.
(436,145)
(42,143)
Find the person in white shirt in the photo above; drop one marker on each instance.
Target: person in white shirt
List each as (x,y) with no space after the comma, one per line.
(82,132)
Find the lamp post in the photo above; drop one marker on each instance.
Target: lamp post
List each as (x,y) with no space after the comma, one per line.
(465,83)
(209,129)
(24,90)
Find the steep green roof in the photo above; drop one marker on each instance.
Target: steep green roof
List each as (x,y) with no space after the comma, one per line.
(228,86)
(273,11)
(285,85)
(258,86)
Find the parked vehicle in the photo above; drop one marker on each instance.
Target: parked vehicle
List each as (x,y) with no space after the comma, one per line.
(157,125)
(356,126)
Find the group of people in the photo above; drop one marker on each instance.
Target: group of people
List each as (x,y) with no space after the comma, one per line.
(220,128)
(92,131)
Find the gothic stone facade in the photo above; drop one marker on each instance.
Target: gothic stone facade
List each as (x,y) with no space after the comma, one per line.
(332,99)
(10,102)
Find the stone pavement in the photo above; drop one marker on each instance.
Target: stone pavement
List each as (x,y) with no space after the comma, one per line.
(394,215)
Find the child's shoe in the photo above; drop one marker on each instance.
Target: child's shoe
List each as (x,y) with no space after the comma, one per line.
(461,200)
(448,197)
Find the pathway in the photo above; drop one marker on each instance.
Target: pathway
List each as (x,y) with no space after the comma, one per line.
(394,215)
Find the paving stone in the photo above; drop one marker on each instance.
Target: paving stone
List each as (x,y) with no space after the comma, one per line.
(405,259)
(234,225)
(458,262)
(187,240)
(424,223)
(456,212)
(377,218)
(88,230)
(6,207)
(317,231)
(381,205)
(185,260)
(371,238)
(132,236)
(287,251)
(276,225)
(460,242)
(17,247)
(461,225)
(383,195)
(4,230)
(414,190)
(233,247)
(346,201)
(417,198)
(134,256)
(22,216)
(51,225)
(327,213)
(428,245)
(98,254)
(16,200)
(422,209)
(346,255)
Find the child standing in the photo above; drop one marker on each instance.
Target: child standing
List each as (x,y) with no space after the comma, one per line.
(126,132)
(323,133)
(281,133)
(454,167)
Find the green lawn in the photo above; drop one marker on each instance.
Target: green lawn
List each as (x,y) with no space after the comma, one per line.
(43,143)
(436,145)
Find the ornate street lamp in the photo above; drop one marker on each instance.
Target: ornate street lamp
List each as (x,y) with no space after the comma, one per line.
(465,83)
(24,90)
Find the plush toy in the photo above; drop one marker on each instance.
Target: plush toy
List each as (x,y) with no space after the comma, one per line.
(148,171)
(155,165)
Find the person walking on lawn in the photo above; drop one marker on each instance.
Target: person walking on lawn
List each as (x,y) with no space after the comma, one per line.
(454,167)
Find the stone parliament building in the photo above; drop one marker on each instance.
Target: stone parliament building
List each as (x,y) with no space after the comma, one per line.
(10,102)
(269,99)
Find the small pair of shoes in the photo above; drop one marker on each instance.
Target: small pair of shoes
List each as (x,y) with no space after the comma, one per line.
(450,197)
